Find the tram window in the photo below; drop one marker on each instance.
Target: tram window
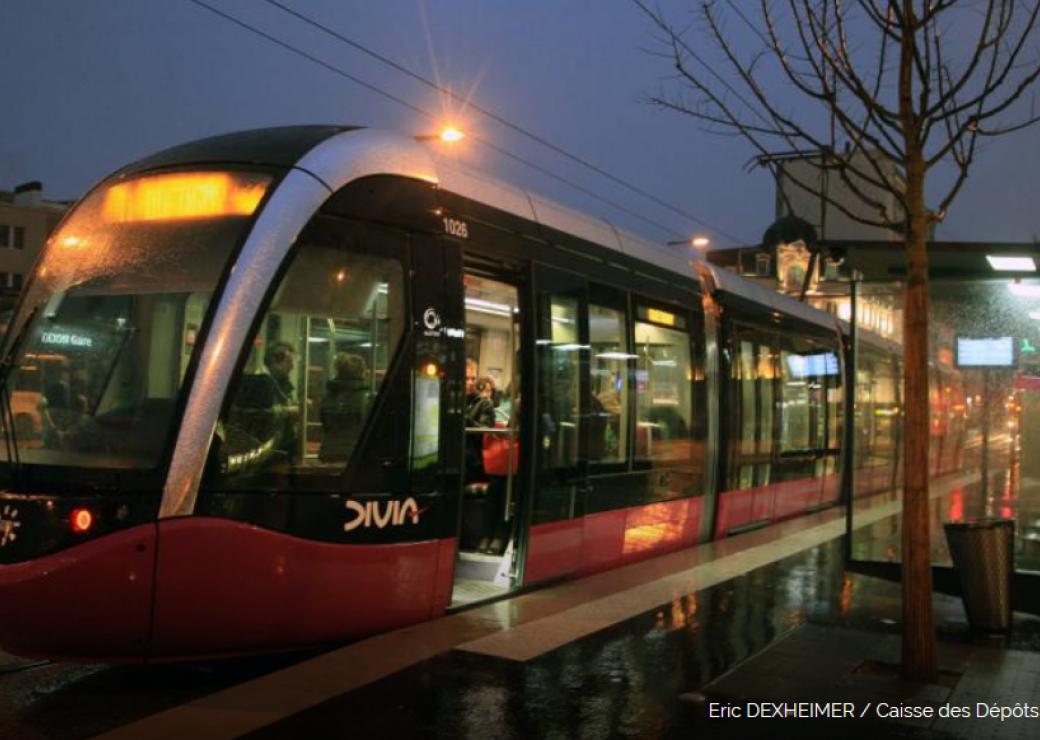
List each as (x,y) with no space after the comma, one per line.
(794,419)
(835,420)
(753,378)
(317,362)
(876,409)
(663,401)
(747,399)
(560,409)
(103,357)
(807,368)
(887,410)
(608,405)
(864,412)
(766,373)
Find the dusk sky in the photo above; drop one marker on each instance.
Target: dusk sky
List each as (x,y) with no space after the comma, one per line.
(90,86)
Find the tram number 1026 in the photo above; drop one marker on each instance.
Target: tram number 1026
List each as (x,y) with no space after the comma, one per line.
(455,227)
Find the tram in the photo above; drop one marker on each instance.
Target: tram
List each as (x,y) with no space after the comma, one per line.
(285,387)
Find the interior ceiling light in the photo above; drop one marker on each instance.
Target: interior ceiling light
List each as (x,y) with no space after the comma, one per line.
(1011,264)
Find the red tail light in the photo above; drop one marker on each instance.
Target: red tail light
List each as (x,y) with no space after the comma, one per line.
(82,520)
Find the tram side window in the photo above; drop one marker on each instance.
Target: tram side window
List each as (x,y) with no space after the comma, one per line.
(744,412)
(317,362)
(663,394)
(608,405)
(766,373)
(876,409)
(748,405)
(560,408)
(835,417)
(807,369)
(753,372)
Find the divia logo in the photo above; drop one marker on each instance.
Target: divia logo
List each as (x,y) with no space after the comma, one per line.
(380,514)
(8,524)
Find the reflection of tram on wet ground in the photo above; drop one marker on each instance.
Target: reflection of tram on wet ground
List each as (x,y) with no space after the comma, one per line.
(270,447)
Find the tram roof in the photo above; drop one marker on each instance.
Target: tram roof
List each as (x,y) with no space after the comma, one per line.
(337,154)
(729,282)
(278,146)
(503,196)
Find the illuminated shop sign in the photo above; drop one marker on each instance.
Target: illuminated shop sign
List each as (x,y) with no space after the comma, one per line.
(66,339)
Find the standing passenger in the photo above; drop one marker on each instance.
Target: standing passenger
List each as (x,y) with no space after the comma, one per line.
(279,361)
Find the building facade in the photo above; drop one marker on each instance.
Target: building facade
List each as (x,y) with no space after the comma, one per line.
(26,221)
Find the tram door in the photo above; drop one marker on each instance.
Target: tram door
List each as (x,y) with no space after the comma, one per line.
(486,563)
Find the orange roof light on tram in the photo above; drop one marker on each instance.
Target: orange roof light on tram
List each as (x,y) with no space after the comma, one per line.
(184,195)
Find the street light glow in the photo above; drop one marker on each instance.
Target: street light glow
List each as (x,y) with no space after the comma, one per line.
(450,134)
(700,242)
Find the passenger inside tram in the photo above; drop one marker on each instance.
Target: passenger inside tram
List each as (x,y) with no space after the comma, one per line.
(330,333)
(489,489)
(265,407)
(343,407)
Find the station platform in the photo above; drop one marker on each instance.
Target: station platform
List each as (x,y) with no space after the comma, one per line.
(768,617)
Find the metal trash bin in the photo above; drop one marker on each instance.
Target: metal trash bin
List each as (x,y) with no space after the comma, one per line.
(983,555)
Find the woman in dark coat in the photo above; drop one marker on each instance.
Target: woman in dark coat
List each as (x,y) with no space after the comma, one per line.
(343,408)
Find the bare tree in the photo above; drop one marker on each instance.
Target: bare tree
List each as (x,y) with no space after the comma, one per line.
(887,93)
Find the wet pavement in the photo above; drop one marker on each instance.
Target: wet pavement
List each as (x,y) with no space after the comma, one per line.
(632,680)
(624,681)
(40,699)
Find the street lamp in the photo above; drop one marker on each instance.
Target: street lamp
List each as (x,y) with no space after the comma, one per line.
(448,134)
(698,242)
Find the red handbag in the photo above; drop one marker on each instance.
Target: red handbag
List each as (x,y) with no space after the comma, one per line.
(496,455)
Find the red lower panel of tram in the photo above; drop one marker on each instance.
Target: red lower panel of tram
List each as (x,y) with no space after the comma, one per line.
(611,538)
(225,587)
(92,601)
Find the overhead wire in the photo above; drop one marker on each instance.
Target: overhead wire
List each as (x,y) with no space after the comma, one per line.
(421,111)
(499,119)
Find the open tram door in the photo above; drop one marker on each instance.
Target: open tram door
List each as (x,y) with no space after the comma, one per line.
(490,538)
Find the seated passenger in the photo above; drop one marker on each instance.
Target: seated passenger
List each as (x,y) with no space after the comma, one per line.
(343,408)
(57,414)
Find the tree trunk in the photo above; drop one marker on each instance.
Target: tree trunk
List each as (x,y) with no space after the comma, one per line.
(919,656)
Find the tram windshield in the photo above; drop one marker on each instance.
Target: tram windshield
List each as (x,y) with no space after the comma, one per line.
(98,354)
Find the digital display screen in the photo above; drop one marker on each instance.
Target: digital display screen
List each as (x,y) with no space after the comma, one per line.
(184,195)
(806,366)
(985,352)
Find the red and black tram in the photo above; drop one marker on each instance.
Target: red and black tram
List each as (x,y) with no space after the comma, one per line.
(237,395)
